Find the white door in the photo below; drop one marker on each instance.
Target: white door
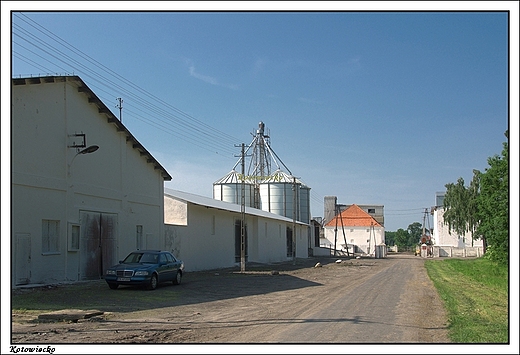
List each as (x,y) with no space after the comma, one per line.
(23,259)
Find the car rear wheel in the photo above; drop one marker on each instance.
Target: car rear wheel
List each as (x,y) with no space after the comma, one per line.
(113,286)
(153,282)
(178,278)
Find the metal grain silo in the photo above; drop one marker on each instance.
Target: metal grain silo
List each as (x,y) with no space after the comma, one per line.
(279,194)
(229,189)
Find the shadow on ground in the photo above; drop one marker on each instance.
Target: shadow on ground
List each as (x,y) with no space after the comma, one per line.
(196,287)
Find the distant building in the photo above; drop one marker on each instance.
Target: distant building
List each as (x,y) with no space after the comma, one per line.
(354,228)
(331,208)
(85,192)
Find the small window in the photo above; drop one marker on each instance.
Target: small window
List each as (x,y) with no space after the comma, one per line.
(50,236)
(74,233)
(371,210)
(138,237)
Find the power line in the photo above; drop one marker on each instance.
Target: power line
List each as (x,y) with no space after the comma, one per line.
(173,119)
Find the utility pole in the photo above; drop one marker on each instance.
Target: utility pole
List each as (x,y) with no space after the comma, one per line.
(243,213)
(120,107)
(336,213)
(344,236)
(294,222)
(242,209)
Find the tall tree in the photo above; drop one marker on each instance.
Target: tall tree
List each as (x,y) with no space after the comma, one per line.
(493,205)
(390,238)
(415,232)
(456,202)
(401,238)
(483,207)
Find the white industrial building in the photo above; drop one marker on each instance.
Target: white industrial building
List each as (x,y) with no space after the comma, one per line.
(206,233)
(85,192)
(449,243)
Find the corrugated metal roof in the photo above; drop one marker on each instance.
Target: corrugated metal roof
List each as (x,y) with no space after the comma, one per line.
(283,177)
(102,110)
(233,177)
(353,216)
(279,176)
(222,205)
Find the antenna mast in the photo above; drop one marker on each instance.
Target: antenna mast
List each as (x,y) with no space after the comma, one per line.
(120,107)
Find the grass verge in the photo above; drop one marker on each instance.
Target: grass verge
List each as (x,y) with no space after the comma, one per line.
(475,294)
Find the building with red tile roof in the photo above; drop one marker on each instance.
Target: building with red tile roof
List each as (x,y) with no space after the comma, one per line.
(357,229)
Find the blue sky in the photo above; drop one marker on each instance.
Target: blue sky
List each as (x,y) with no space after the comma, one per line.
(372,107)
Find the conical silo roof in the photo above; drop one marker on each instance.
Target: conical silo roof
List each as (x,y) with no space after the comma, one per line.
(233,177)
(282,176)
(279,176)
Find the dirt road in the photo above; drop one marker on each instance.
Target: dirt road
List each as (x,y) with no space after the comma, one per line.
(387,300)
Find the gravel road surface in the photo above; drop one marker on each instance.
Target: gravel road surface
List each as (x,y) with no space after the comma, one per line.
(377,301)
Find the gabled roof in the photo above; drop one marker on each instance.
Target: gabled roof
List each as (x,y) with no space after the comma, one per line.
(102,110)
(222,205)
(353,216)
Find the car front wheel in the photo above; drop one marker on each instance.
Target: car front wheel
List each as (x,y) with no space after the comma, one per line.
(113,286)
(153,282)
(178,278)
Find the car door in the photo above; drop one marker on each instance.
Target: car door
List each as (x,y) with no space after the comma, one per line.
(165,269)
(175,264)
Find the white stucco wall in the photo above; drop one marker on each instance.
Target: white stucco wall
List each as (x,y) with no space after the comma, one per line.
(442,237)
(49,181)
(207,240)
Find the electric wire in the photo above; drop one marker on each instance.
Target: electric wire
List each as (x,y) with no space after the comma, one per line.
(160,113)
(192,128)
(168,118)
(111,72)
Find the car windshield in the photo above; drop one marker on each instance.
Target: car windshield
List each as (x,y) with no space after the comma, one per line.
(141,258)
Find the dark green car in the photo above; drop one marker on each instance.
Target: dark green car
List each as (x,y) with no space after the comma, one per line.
(147,268)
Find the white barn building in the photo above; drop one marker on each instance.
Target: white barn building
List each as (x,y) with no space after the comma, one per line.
(85,192)
(205,233)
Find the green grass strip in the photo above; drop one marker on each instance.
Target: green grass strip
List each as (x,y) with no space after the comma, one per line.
(475,294)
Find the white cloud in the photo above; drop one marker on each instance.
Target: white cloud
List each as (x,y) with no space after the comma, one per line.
(206,78)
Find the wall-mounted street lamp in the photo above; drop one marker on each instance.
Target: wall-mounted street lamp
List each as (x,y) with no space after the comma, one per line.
(87,150)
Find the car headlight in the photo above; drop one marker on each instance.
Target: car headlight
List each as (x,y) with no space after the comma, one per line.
(141,273)
(111,272)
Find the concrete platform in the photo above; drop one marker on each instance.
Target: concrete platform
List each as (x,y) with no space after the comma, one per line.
(69,315)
